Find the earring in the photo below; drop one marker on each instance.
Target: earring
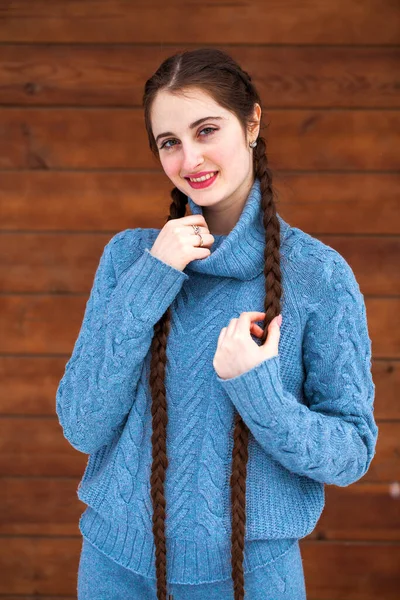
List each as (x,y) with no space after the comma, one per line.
(253,144)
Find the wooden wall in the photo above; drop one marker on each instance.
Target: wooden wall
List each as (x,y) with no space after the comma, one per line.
(75,169)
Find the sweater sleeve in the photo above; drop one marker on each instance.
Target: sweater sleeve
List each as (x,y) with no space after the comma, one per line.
(97,389)
(333,439)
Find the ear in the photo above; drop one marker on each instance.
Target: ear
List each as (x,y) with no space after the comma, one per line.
(254,126)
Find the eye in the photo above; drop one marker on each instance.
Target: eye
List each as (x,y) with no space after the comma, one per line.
(165,146)
(210,129)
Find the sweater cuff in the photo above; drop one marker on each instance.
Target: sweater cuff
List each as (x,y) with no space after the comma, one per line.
(149,287)
(259,397)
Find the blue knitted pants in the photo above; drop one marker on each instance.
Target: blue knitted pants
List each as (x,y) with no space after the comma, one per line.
(100,578)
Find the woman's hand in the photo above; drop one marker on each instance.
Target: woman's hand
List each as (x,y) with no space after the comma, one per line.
(237,352)
(177,244)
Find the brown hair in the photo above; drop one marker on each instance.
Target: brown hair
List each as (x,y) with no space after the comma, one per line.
(216,73)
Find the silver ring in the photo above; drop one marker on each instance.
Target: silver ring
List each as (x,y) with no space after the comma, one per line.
(197,232)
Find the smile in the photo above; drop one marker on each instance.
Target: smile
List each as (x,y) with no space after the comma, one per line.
(202,182)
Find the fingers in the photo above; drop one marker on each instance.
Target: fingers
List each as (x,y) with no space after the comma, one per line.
(274,332)
(247,318)
(208,241)
(203,237)
(256,330)
(246,322)
(201,229)
(190,220)
(251,316)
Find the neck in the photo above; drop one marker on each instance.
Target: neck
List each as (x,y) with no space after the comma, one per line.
(222,218)
(240,254)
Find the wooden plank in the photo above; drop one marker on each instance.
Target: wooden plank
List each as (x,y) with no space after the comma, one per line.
(37,324)
(386,376)
(349,571)
(380,317)
(109,201)
(40,324)
(28,385)
(382,254)
(34,565)
(317,202)
(285,76)
(59,263)
(74,138)
(362,511)
(66,263)
(386,467)
(86,201)
(49,506)
(371,22)
(40,506)
(36,447)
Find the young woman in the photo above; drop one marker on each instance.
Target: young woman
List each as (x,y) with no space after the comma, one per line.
(210,437)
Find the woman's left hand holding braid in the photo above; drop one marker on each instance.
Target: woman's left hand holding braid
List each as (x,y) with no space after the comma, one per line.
(237,352)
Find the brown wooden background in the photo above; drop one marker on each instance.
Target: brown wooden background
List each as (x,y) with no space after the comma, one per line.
(75,169)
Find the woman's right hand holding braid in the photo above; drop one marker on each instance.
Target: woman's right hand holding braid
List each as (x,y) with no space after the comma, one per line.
(178,244)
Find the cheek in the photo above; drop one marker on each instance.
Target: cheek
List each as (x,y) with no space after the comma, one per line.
(229,154)
(171,166)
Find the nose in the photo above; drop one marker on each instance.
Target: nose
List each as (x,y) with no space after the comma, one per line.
(192,158)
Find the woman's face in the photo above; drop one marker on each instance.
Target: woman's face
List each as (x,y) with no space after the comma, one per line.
(216,144)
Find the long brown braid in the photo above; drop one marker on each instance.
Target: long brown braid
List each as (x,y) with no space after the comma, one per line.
(217,73)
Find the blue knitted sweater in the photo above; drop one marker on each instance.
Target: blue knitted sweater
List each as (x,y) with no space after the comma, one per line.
(309,410)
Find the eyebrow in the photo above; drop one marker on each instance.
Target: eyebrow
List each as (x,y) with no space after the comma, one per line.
(192,126)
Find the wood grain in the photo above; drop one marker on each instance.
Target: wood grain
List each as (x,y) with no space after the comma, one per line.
(36,447)
(362,511)
(49,506)
(76,138)
(350,571)
(28,385)
(66,263)
(318,203)
(373,22)
(285,76)
(76,169)
(37,324)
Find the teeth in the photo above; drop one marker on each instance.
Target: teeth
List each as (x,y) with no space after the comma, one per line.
(204,178)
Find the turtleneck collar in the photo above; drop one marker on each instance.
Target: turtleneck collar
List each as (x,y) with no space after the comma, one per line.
(240,253)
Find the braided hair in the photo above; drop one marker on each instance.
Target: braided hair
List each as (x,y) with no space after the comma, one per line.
(216,73)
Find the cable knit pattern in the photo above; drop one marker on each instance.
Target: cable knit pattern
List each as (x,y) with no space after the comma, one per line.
(309,410)
(332,439)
